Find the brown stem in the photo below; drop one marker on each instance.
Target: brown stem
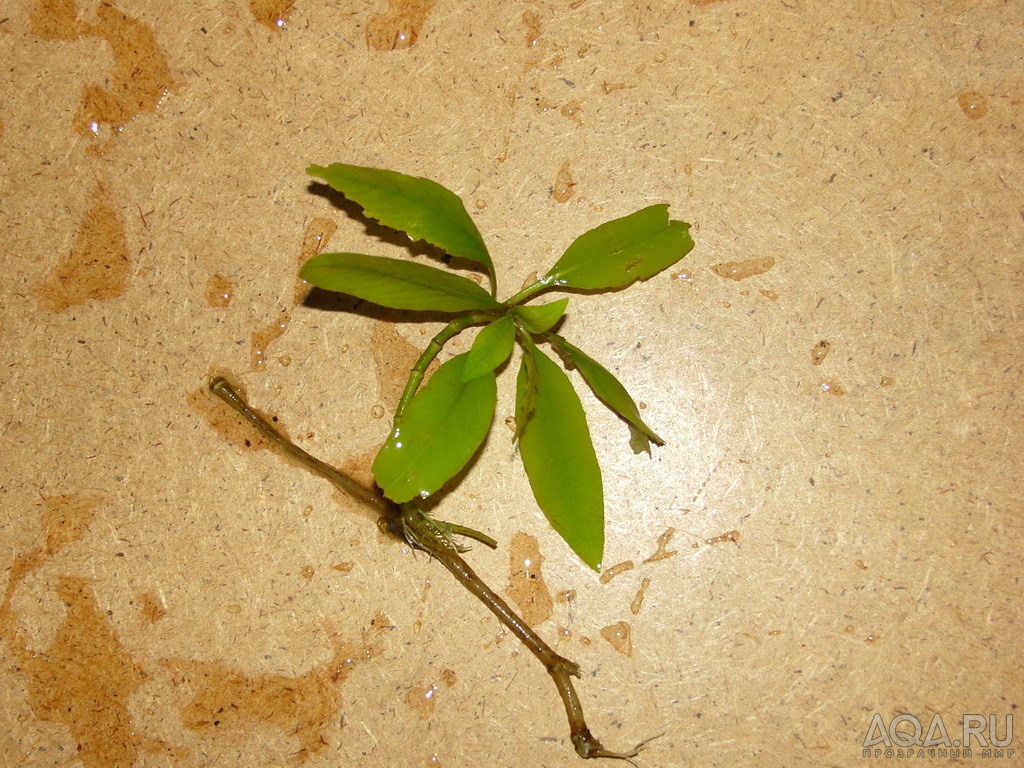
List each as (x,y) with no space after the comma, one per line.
(433,537)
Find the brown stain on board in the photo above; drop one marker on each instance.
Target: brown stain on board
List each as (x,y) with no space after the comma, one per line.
(140,78)
(612,571)
(741,270)
(219,291)
(609,87)
(97,266)
(84,678)
(564,185)
(315,237)
(393,356)
(272,14)
(262,338)
(832,387)
(731,537)
(638,601)
(526,585)
(227,700)
(399,27)
(820,351)
(421,699)
(620,636)
(973,104)
(571,110)
(152,608)
(663,552)
(531,20)
(64,520)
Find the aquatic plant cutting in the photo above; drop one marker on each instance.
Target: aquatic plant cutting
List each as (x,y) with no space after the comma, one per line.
(441,423)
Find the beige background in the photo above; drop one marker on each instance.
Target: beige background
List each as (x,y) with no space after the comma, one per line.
(846,530)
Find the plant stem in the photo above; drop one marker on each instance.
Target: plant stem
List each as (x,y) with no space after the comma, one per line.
(453,328)
(432,536)
(340,480)
(529,291)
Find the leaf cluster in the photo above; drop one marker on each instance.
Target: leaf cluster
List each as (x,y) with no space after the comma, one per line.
(438,427)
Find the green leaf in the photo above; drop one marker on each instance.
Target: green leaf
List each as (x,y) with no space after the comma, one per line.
(422,208)
(526,386)
(561,464)
(611,392)
(618,252)
(541,317)
(443,426)
(394,283)
(491,347)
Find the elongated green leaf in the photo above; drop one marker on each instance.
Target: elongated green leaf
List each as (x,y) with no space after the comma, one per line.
(618,252)
(610,391)
(540,317)
(526,386)
(443,426)
(394,283)
(491,347)
(561,464)
(422,208)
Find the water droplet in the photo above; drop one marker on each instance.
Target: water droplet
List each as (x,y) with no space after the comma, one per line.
(526,584)
(262,338)
(740,270)
(662,552)
(615,570)
(273,14)
(421,699)
(729,536)
(832,387)
(820,351)
(619,636)
(564,184)
(532,21)
(612,87)
(638,601)
(377,412)
(400,26)
(219,291)
(973,104)
(571,110)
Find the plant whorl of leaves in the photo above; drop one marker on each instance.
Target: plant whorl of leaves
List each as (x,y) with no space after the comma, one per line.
(437,428)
